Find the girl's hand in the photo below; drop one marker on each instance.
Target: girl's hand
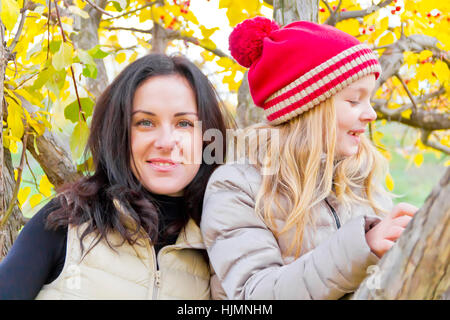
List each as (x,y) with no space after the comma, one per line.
(383,236)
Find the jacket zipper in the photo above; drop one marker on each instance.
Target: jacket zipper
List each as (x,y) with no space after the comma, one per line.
(336,218)
(157,282)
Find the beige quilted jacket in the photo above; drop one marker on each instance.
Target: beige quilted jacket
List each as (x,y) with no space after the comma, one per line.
(251,264)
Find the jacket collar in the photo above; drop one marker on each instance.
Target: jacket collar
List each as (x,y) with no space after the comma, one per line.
(189,237)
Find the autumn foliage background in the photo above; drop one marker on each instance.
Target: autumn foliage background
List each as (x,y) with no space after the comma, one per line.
(59,55)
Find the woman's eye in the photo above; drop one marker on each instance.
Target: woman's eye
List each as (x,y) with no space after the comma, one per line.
(145,123)
(185,124)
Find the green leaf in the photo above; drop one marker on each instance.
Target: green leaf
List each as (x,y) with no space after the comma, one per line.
(90,71)
(54,46)
(85,57)
(97,53)
(79,139)
(56,81)
(63,58)
(120,4)
(71,112)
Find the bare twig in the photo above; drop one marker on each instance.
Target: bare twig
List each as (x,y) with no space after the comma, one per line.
(407,92)
(96,7)
(71,68)
(19,29)
(129,29)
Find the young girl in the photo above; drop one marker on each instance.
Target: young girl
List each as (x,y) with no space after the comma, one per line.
(131,229)
(308,218)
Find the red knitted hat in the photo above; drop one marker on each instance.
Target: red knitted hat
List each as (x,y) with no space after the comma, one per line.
(294,68)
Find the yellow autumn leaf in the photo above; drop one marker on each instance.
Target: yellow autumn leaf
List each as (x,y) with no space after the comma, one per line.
(410,58)
(207,32)
(425,54)
(133,57)
(23,195)
(406,114)
(387,39)
(45,186)
(207,44)
(389,182)
(10,11)
(418,159)
(120,58)
(424,71)
(63,58)
(447,163)
(14,119)
(351,26)
(441,71)
(35,200)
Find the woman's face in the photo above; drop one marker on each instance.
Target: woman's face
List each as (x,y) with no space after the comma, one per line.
(353,113)
(166,141)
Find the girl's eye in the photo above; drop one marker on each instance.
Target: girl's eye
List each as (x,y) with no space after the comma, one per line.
(145,123)
(185,124)
(353,102)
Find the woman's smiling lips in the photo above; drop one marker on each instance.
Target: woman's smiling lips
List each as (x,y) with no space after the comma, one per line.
(162,165)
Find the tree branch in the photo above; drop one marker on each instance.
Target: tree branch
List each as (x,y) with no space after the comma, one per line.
(175,35)
(425,138)
(338,16)
(136,10)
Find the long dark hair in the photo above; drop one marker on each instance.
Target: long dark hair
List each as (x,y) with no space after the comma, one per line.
(94,198)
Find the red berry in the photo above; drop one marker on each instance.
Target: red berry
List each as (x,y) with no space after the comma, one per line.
(322,10)
(398,8)
(393,11)
(428,15)
(363,31)
(334,8)
(438,14)
(371,28)
(343,9)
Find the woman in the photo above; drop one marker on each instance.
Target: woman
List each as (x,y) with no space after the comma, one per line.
(308,217)
(129,230)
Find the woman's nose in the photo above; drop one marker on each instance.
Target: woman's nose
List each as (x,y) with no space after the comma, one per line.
(166,139)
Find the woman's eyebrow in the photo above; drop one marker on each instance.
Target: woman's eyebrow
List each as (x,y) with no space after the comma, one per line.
(178,114)
(146,112)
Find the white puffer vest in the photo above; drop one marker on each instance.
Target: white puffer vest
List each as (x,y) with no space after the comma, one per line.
(130,271)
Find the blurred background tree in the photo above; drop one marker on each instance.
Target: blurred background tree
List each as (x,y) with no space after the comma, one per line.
(56,57)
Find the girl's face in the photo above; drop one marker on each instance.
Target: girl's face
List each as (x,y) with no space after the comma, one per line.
(353,113)
(166,141)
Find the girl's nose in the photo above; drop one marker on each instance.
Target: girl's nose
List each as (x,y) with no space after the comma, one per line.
(369,114)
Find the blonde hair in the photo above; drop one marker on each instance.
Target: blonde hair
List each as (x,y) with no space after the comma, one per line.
(306,170)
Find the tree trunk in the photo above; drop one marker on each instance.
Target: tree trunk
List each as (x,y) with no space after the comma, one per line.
(9,232)
(417,267)
(287,11)
(284,12)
